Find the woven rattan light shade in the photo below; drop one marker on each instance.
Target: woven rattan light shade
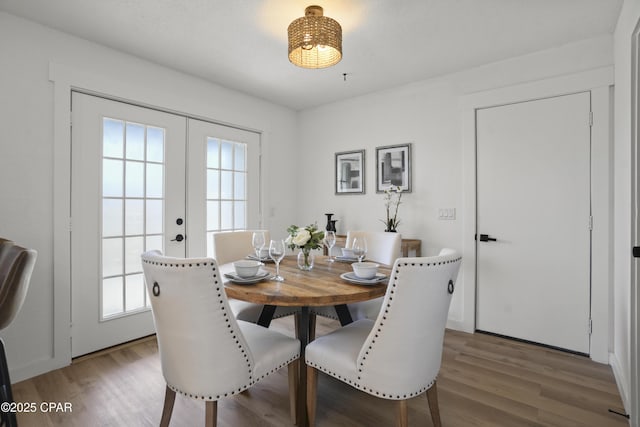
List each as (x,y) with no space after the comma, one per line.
(315,41)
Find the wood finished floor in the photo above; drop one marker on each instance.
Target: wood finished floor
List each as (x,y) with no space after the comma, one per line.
(484,381)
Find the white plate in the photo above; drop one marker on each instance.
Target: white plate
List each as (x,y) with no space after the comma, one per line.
(351,277)
(255,258)
(248,280)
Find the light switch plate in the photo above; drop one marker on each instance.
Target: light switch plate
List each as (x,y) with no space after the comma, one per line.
(447,213)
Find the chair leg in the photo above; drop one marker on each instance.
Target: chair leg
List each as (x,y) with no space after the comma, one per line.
(211,413)
(312,326)
(293,390)
(169,400)
(296,323)
(312,385)
(403,413)
(432,398)
(7,419)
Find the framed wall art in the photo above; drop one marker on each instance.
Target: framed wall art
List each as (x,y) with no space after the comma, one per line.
(350,172)
(393,167)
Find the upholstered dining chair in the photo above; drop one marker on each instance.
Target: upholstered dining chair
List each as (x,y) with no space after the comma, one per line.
(383,248)
(205,353)
(398,355)
(16,267)
(229,246)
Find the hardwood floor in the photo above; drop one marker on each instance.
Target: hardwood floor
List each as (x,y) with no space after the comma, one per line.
(484,381)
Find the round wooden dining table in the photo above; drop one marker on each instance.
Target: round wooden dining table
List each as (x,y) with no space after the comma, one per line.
(321,286)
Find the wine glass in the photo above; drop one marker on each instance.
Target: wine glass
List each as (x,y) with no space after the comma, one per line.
(276,252)
(258,242)
(330,240)
(359,247)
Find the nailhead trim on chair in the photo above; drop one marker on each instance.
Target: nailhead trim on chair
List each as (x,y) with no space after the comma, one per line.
(252,380)
(386,311)
(370,390)
(239,390)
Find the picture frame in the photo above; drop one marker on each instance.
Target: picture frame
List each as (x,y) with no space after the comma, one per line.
(349,172)
(393,167)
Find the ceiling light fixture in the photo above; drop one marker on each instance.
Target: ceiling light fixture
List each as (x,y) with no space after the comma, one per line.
(315,41)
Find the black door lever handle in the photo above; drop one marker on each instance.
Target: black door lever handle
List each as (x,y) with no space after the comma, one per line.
(486,238)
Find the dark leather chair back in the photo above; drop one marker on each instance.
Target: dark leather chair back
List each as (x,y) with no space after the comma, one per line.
(16,266)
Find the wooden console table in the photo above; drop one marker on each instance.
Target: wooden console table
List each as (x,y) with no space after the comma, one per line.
(406,246)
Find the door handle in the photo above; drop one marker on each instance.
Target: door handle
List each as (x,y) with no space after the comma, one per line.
(636,251)
(486,238)
(179,238)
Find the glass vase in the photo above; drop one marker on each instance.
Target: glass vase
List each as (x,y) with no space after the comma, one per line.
(306,259)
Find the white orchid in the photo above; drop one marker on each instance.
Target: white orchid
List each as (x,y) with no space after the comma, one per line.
(392,200)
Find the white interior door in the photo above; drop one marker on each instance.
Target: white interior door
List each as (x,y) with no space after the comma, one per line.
(533,197)
(128,192)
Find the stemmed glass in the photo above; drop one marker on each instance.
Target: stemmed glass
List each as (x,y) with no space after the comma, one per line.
(258,242)
(359,247)
(330,240)
(276,252)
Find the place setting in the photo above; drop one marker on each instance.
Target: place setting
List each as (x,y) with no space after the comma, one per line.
(364,273)
(247,272)
(356,253)
(250,271)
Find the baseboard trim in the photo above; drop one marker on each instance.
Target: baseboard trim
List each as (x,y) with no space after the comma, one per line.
(621,381)
(458,325)
(36,368)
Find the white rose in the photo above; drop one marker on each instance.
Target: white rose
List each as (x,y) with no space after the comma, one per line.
(302,237)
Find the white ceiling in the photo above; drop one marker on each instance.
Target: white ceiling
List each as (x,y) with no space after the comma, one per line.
(242,44)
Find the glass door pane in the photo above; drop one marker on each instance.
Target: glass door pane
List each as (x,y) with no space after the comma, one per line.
(132,211)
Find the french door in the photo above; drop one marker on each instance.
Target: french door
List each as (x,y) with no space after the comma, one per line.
(145,179)
(223,183)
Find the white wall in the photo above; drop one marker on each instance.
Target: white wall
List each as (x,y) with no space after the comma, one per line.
(28,102)
(620,361)
(428,115)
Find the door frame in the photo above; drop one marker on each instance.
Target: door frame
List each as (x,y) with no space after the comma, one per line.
(65,79)
(634,303)
(599,82)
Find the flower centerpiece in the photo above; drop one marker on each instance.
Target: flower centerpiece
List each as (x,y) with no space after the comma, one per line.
(392,200)
(305,238)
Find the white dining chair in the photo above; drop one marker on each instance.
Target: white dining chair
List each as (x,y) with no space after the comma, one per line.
(383,248)
(229,246)
(205,353)
(369,309)
(398,355)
